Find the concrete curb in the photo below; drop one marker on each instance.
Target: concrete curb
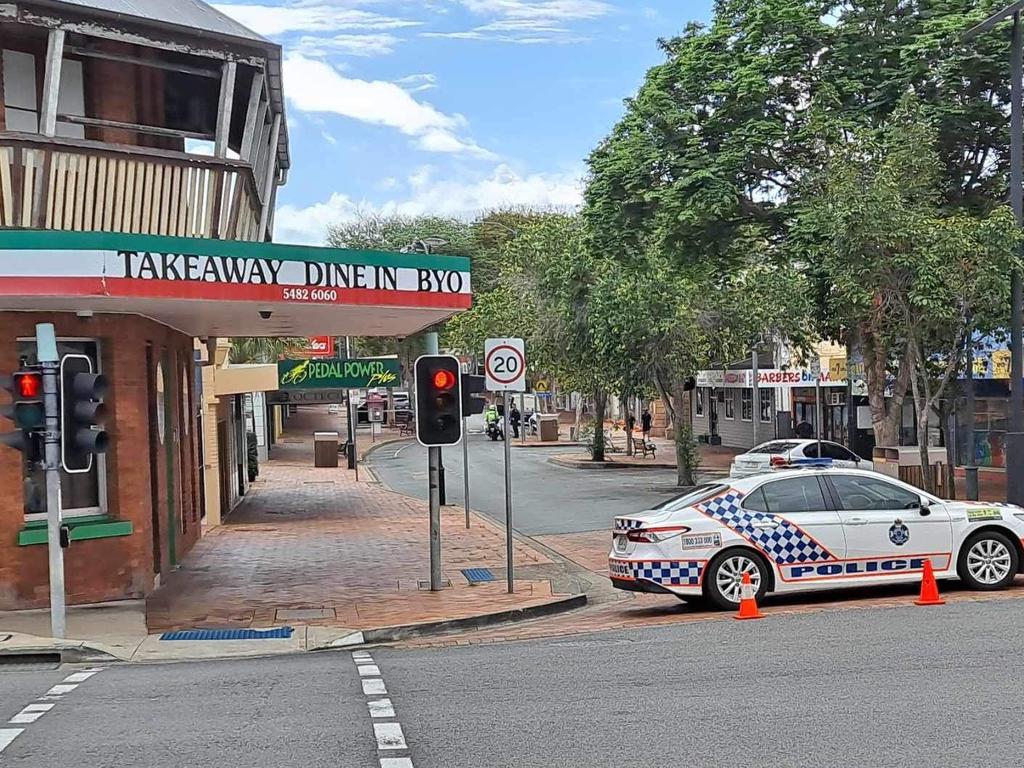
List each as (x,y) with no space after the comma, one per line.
(69,653)
(406,632)
(568,463)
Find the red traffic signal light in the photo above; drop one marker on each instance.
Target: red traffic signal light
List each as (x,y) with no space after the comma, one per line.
(444,380)
(26,409)
(28,385)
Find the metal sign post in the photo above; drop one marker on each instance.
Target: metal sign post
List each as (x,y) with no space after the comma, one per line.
(508,493)
(46,352)
(465,468)
(505,372)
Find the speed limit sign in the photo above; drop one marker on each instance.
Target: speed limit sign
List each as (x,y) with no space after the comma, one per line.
(505,365)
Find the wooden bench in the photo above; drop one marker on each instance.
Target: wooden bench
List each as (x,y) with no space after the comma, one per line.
(643,447)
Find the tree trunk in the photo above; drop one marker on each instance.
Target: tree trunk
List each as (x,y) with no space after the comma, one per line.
(947,415)
(886,416)
(600,404)
(921,406)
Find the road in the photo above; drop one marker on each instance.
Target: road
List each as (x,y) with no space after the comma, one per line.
(899,686)
(548,498)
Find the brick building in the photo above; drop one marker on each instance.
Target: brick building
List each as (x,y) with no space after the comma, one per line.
(142,143)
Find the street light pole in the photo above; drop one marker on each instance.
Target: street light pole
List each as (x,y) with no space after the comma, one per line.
(1015,438)
(1014,449)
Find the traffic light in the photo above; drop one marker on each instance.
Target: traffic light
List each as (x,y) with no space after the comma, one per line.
(438,401)
(473,399)
(26,409)
(82,434)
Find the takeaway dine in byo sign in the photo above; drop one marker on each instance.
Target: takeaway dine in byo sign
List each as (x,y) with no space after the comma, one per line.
(298,280)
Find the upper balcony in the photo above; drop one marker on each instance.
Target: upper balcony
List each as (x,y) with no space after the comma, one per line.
(169,124)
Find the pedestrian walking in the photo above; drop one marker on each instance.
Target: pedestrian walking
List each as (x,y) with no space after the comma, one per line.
(645,423)
(514,419)
(804,430)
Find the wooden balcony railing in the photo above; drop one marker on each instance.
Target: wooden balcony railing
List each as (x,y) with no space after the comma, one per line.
(56,183)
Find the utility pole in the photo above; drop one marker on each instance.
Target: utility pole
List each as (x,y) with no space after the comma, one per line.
(1015,434)
(46,352)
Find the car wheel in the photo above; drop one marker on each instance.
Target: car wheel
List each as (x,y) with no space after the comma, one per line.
(724,576)
(988,560)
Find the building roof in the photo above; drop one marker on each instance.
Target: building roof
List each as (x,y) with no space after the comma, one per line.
(193,14)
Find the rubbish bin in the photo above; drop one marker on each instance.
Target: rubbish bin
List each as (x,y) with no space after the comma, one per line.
(548,428)
(325,449)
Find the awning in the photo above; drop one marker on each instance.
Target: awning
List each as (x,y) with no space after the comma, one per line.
(229,287)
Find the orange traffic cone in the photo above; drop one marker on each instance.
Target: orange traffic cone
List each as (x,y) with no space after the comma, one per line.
(929,587)
(748,603)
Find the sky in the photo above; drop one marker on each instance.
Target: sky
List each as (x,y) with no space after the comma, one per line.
(450,107)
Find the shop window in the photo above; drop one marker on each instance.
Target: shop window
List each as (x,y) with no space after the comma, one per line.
(82,493)
(767,397)
(747,405)
(730,405)
(699,402)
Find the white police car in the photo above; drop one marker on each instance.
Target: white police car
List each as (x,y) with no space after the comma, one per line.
(795,530)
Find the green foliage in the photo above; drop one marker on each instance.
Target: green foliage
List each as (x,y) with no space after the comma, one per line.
(263,349)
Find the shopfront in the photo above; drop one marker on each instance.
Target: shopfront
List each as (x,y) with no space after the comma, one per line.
(134,304)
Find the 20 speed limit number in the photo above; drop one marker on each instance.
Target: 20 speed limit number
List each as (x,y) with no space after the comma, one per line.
(505,365)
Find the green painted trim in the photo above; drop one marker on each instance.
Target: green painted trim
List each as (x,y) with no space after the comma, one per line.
(82,529)
(53,240)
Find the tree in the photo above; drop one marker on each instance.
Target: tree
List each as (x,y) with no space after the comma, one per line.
(906,276)
(265,349)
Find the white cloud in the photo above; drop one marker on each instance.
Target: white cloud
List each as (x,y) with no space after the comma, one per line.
(418,82)
(528,21)
(379,44)
(444,141)
(463,198)
(309,225)
(273,20)
(543,9)
(317,87)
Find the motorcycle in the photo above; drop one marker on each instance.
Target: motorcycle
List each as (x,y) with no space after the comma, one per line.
(494,431)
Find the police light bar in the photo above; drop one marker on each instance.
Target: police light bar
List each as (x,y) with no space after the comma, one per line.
(779,462)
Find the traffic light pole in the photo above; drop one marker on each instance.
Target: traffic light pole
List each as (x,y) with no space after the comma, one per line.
(434,480)
(46,345)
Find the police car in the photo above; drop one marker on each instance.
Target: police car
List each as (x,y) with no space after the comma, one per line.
(820,527)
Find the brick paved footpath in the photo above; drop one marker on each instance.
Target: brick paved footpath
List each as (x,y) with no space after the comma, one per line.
(315,540)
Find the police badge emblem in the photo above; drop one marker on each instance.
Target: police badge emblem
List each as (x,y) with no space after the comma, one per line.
(899,534)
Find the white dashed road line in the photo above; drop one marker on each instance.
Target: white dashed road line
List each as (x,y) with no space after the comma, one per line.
(32,712)
(389,735)
(44,704)
(7,735)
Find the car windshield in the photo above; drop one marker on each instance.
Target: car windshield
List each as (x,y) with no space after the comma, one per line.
(774,447)
(691,497)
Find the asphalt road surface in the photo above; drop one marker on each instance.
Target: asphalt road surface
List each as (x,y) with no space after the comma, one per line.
(547,498)
(871,687)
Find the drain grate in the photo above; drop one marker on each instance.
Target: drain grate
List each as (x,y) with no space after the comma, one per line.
(28,662)
(477,575)
(278,633)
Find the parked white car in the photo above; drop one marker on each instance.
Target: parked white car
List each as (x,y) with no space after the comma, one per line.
(813,528)
(787,453)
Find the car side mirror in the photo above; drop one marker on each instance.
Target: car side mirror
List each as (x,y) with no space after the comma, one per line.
(924,507)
